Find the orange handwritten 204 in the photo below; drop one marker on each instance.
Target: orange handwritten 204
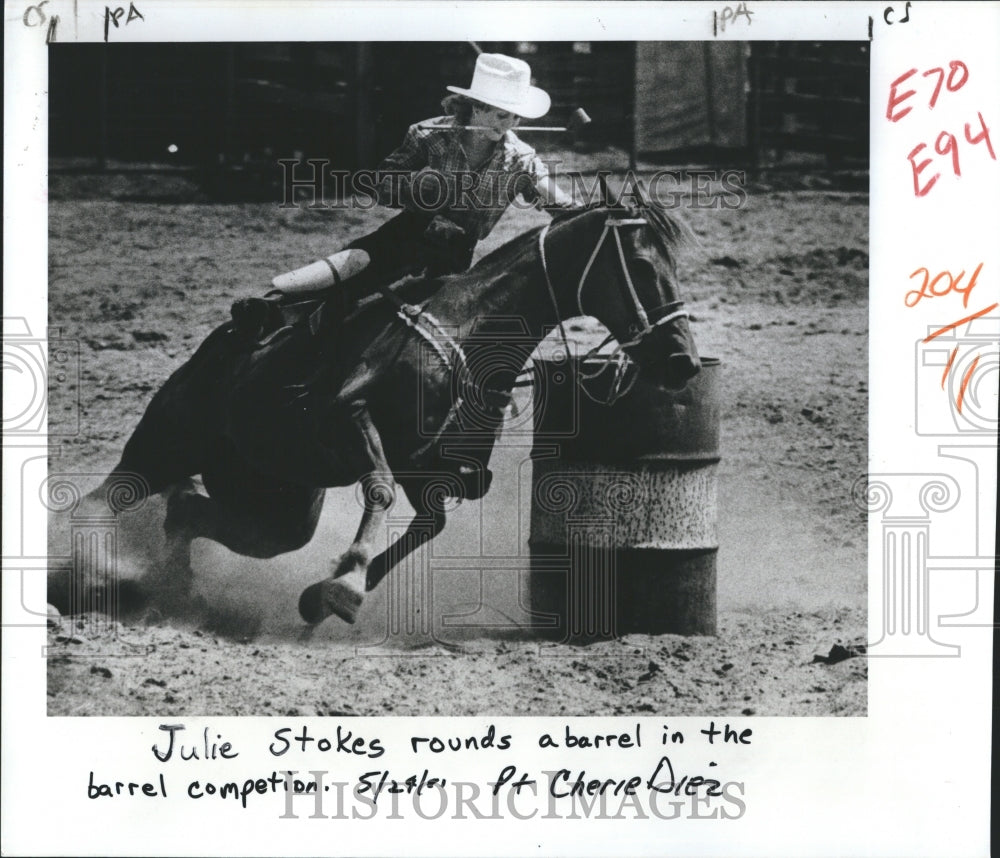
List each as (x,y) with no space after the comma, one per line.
(942,284)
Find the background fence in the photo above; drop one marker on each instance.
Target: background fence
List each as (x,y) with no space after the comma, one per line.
(224,105)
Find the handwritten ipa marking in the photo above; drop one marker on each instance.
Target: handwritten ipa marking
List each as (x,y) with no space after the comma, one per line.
(729,15)
(112,16)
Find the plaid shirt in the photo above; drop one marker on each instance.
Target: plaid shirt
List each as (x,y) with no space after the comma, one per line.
(472,199)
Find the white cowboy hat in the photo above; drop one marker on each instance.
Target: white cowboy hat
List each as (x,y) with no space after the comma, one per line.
(505,82)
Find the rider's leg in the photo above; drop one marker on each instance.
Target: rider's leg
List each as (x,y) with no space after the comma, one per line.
(390,252)
(320,280)
(397,248)
(322,274)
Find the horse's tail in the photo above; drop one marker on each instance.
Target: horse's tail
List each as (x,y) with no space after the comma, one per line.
(185,415)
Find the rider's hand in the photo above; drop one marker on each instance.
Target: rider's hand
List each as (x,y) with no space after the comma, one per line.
(443,231)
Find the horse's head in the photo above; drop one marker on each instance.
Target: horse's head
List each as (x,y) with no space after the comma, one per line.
(629,283)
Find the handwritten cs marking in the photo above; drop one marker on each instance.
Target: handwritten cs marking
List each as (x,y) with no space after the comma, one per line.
(889,10)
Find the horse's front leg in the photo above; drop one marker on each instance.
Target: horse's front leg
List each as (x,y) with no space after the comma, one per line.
(426,524)
(344,591)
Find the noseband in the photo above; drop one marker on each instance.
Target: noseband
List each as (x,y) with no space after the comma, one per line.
(619,359)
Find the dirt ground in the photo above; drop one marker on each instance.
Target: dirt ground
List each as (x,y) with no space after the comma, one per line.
(141,269)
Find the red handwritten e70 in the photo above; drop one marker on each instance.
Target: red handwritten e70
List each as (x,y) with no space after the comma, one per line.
(947,143)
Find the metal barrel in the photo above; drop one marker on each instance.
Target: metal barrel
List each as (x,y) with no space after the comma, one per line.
(624,505)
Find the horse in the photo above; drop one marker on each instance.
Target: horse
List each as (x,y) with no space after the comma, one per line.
(390,398)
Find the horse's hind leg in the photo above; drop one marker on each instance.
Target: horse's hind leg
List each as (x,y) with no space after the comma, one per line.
(262,524)
(248,513)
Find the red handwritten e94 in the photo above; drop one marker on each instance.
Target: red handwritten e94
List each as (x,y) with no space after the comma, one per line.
(947,143)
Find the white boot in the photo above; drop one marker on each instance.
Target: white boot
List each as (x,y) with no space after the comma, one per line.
(322,273)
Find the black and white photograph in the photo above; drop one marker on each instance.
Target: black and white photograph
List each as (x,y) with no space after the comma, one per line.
(461,378)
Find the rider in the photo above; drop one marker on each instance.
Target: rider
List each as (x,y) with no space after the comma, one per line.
(453,176)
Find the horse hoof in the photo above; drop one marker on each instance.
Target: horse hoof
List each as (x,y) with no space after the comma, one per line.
(311,606)
(343,596)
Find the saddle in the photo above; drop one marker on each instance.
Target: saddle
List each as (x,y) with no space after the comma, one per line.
(259,320)
(301,334)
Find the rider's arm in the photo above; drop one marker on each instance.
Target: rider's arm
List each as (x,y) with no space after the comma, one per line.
(539,187)
(550,194)
(402,170)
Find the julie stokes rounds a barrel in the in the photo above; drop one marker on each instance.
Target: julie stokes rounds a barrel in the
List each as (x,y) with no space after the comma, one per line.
(623,517)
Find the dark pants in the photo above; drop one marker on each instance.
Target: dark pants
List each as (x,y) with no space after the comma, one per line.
(400,247)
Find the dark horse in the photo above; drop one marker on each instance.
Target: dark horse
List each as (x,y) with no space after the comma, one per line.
(392,397)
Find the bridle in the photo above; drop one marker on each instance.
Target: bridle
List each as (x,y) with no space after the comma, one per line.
(618,359)
(434,333)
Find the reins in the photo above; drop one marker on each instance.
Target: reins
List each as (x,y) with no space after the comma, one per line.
(432,332)
(619,357)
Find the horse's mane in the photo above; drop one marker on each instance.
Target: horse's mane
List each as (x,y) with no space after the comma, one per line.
(671,232)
